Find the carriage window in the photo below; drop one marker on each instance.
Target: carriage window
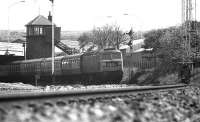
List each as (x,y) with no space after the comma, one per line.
(77,62)
(70,61)
(65,62)
(13,68)
(16,67)
(43,66)
(27,67)
(57,63)
(24,67)
(38,66)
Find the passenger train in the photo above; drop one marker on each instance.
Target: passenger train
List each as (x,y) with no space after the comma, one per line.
(101,67)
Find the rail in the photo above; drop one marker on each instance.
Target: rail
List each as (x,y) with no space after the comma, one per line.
(38,95)
(7,101)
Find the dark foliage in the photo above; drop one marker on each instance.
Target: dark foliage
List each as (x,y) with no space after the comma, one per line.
(168,47)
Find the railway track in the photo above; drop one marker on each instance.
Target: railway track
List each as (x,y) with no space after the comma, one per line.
(29,99)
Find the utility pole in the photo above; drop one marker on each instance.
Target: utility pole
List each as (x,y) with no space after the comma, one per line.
(189,28)
(189,35)
(53,48)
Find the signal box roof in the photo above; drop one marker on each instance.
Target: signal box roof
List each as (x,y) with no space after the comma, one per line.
(39,20)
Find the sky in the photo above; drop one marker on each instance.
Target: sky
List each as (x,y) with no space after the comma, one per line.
(81,15)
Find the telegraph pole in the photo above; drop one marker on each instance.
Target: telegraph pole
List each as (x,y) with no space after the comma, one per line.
(189,27)
(53,48)
(189,39)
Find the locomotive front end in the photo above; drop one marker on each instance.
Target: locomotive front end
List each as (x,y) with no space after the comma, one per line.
(111,65)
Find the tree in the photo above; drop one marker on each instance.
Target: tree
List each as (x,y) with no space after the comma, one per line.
(152,39)
(84,39)
(102,37)
(167,47)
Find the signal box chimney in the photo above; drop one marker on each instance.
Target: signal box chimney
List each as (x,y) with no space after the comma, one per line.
(50,16)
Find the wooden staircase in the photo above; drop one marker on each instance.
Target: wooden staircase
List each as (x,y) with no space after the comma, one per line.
(64,48)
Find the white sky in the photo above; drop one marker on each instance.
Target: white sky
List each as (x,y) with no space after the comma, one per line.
(85,14)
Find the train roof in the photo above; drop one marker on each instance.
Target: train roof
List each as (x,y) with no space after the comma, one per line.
(114,50)
(70,56)
(102,51)
(66,56)
(46,59)
(28,61)
(56,58)
(36,60)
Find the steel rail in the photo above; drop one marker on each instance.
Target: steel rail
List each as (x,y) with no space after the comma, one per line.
(7,101)
(83,92)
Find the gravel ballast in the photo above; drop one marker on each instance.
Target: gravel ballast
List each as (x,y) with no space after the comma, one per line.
(172,106)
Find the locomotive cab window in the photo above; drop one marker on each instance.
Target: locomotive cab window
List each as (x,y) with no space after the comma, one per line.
(106,56)
(116,56)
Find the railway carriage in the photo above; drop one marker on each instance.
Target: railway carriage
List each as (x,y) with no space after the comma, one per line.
(10,72)
(47,66)
(71,65)
(28,69)
(70,68)
(90,67)
(45,74)
(100,67)
(4,72)
(14,71)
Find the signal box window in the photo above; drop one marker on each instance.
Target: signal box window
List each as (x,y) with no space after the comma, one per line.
(35,31)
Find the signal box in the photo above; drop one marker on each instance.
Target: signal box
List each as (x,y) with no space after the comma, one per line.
(39,37)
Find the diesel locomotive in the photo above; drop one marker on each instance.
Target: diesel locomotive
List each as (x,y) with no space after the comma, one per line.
(101,67)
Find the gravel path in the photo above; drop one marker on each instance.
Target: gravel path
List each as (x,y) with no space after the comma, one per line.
(172,106)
